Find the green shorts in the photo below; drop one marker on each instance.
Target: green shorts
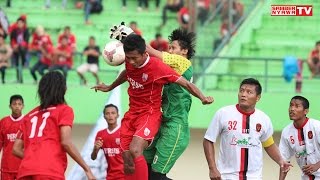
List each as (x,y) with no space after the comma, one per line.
(170,142)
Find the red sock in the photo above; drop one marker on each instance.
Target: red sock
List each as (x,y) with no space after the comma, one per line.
(141,170)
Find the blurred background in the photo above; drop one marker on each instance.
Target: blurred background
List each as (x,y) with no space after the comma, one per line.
(235,39)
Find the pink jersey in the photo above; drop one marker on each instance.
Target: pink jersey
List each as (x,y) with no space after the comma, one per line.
(146,84)
(9,127)
(40,131)
(112,151)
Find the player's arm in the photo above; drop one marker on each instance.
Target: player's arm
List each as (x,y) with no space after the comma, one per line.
(65,135)
(153,52)
(273,151)
(106,88)
(17,149)
(209,152)
(194,90)
(97,145)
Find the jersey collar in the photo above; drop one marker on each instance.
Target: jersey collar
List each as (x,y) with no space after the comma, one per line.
(304,123)
(114,130)
(242,112)
(18,119)
(145,63)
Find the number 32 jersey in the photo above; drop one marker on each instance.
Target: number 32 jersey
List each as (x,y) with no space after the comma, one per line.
(40,131)
(242,135)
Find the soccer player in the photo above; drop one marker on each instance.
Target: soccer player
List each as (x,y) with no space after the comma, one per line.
(9,126)
(45,135)
(176,103)
(301,139)
(146,76)
(109,141)
(244,130)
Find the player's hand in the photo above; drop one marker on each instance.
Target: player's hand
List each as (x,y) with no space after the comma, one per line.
(285,166)
(309,169)
(98,144)
(90,176)
(120,32)
(207,100)
(214,174)
(102,87)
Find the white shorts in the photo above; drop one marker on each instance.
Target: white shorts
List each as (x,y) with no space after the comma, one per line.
(87,67)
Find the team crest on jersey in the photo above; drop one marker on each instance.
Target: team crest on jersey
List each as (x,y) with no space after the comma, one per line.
(146,132)
(258,127)
(118,141)
(310,135)
(144,77)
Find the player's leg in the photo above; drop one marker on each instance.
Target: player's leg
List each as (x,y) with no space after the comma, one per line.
(173,140)
(94,70)
(149,153)
(81,70)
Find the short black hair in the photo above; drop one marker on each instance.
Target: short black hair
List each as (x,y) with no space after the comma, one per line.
(252,81)
(51,90)
(158,35)
(16,97)
(92,37)
(305,102)
(110,105)
(134,42)
(67,28)
(185,39)
(317,43)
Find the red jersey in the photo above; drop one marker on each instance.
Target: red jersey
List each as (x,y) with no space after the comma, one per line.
(63,60)
(40,131)
(9,127)
(146,84)
(112,151)
(44,59)
(71,40)
(38,41)
(160,45)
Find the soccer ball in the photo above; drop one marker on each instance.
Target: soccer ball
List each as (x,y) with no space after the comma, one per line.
(113,53)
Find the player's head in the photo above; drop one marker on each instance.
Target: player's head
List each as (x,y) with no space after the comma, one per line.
(298,108)
(16,104)
(134,47)
(182,43)
(111,114)
(67,30)
(249,93)
(20,23)
(64,40)
(92,41)
(51,90)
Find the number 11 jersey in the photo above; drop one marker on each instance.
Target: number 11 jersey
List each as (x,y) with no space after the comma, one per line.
(43,152)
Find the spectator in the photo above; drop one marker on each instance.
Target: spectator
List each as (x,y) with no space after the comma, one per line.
(71,38)
(62,57)
(143,4)
(124,4)
(14,25)
(159,43)
(46,51)
(39,38)
(91,7)
(183,17)
(224,31)
(314,60)
(173,6)
(5,54)
(134,26)
(236,10)
(19,38)
(48,4)
(203,10)
(92,51)
(4,23)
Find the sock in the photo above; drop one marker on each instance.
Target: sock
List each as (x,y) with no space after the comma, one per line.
(158,176)
(149,171)
(141,169)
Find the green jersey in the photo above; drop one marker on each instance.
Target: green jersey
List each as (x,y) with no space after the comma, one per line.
(176,100)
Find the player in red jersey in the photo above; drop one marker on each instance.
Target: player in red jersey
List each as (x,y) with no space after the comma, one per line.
(45,134)
(146,76)
(109,141)
(9,127)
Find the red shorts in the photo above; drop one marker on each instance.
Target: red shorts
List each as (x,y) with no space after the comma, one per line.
(39,177)
(144,125)
(8,176)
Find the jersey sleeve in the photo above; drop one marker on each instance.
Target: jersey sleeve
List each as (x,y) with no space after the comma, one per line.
(176,62)
(214,128)
(165,74)
(284,148)
(268,131)
(66,117)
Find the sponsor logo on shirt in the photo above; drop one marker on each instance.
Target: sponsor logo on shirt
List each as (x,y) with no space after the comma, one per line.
(12,137)
(111,151)
(144,77)
(244,142)
(135,84)
(118,141)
